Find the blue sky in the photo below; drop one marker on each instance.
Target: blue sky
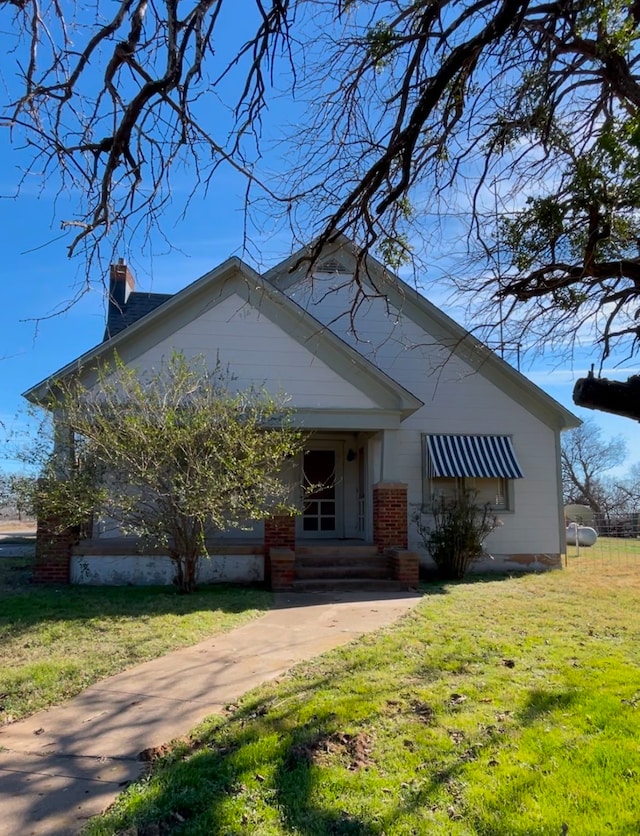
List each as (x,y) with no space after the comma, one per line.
(40,332)
(39,279)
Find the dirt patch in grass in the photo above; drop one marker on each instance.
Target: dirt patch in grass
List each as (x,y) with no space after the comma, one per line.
(424,711)
(155,753)
(354,750)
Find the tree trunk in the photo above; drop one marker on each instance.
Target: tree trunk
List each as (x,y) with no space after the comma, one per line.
(186,566)
(185,552)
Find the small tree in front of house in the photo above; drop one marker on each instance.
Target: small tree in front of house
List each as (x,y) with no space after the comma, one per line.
(455,534)
(171,455)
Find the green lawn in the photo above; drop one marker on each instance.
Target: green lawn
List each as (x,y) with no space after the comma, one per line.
(508,707)
(55,642)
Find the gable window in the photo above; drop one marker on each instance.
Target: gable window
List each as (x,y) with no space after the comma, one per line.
(485,464)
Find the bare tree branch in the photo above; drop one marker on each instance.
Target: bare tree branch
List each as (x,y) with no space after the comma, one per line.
(410,104)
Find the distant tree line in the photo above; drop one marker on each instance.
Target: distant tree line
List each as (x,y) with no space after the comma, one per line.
(614,501)
(16,495)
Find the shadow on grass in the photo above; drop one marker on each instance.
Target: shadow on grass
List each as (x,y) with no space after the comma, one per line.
(258,766)
(24,606)
(295,759)
(540,703)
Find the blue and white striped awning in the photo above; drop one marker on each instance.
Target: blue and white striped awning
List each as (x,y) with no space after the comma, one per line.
(484,456)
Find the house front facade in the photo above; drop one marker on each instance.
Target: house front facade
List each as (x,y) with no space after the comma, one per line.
(399,402)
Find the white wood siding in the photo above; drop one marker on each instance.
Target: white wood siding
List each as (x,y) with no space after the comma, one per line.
(457,400)
(257,351)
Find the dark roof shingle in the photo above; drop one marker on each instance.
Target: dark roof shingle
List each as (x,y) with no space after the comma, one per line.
(137,305)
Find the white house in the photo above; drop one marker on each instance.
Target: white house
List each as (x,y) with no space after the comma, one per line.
(401,403)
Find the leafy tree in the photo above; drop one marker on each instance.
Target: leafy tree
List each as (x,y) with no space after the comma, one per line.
(586,457)
(171,455)
(531,104)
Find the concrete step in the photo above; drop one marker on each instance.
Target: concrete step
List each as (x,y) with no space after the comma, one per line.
(335,564)
(349,585)
(336,549)
(368,569)
(322,560)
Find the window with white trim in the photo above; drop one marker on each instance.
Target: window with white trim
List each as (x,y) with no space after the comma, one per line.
(496,492)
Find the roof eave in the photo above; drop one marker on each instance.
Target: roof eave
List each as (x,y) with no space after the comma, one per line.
(404,402)
(37,394)
(469,348)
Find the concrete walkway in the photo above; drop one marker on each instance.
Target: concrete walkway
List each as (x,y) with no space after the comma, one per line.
(60,767)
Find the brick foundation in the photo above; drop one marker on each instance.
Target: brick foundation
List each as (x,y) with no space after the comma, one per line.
(279,533)
(283,571)
(53,552)
(390,516)
(405,566)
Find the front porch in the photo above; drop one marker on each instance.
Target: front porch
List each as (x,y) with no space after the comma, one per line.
(349,531)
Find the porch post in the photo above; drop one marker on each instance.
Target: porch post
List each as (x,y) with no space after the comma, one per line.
(390,521)
(390,468)
(390,509)
(279,551)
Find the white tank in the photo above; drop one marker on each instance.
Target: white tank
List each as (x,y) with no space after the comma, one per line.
(581,535)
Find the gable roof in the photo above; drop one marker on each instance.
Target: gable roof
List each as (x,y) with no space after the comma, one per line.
(234,276)
(435,322)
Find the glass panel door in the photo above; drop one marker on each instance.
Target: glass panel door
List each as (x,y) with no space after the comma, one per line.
(319,514)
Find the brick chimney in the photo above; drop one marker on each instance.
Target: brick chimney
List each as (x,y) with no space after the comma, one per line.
(121,285)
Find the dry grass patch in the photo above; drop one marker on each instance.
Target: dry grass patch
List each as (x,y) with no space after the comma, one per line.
(9,526)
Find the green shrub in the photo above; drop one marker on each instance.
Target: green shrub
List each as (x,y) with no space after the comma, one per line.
(454,536)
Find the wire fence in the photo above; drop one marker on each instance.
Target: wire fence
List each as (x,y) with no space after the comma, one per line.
(607,554)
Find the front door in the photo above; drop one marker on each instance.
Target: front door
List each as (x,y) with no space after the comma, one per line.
(322,502)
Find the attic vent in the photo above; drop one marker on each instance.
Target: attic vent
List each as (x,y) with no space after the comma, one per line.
(332,265)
